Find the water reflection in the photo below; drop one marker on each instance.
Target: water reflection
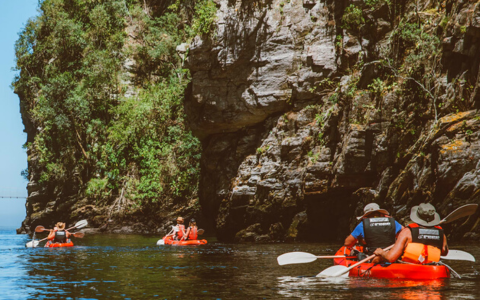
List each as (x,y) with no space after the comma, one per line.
(348,288)
(133,267)
(302,287)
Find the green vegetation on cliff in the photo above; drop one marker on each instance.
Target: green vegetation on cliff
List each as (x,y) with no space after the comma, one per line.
(101,87)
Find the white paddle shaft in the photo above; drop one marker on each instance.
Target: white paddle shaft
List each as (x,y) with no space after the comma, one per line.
(359,263)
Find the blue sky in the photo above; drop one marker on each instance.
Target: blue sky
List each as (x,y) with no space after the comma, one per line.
(13,158)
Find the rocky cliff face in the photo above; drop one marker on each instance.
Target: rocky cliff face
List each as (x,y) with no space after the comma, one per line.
(101,90)
(308,110)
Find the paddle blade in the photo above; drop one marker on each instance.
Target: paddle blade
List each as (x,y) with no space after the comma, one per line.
(459,255)
(334,271)
(462,211)
(81,224)
(39,228)
(200,231)
(32,244)
(79,234)
(160,242)
(295,258)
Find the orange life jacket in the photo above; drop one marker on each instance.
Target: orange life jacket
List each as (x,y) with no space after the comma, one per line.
(181,230)
(424,250)
(193,235)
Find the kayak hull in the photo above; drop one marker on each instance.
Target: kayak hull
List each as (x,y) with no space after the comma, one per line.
(170,241)
(58,245)
(393,270)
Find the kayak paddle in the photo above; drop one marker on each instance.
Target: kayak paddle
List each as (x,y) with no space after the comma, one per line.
(40,228)
(462,211)
(200,231)
(340,270)
(78,235)
(459,255)
(78,225)
(303,257)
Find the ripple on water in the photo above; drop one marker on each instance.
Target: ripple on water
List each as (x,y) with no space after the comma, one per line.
(132,267)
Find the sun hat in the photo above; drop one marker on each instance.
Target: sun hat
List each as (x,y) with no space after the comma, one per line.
(60,226)
(370,208)
(425,214)
(179,219)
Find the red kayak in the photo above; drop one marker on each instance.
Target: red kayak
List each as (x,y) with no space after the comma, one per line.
(56,245)
(169,241)
(392,270)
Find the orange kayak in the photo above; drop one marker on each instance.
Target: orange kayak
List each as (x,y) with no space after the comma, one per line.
(56,245)
(392,270)
(169,241)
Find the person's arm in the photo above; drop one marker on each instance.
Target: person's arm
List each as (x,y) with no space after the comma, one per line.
(174,230)
(445,246)
(350,241)
(357,234)
(397,249)
(51,235)
(185,236)
(68,234)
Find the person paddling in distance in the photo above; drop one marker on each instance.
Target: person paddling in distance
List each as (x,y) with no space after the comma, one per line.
(178,231)
(59,234)
(377,230)
(181,229)
(422,241)
(192,230)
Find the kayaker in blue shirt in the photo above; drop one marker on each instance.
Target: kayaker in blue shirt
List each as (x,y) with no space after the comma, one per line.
(377,229)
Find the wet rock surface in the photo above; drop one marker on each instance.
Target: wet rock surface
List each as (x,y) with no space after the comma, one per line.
(284,160)
(304,120)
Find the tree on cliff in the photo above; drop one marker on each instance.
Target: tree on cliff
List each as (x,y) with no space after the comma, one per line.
(101,89)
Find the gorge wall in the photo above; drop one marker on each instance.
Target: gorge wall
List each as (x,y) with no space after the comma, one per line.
(307,110)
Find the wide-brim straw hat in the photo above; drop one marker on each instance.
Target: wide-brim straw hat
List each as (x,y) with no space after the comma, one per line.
(425,215)
(179,219)
(370,208)
(60,226)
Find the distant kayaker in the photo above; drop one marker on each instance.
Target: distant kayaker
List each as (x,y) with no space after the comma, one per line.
(377,229)
(181,229)
(178,231)
(59,234)
(192,230)
(421,242)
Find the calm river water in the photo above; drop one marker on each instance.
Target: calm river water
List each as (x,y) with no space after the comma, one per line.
(133,267)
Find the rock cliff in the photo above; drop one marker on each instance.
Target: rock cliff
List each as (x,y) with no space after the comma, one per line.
(308,110)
